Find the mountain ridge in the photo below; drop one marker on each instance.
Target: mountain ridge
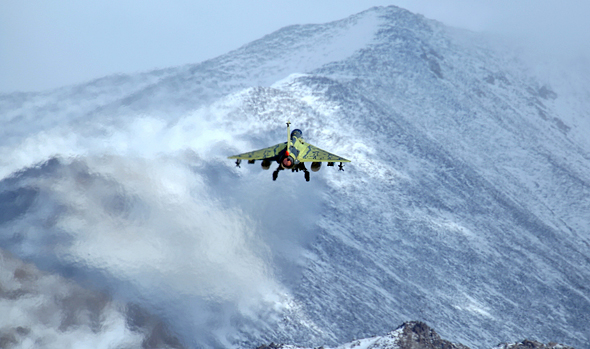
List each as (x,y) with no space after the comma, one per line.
(418,335)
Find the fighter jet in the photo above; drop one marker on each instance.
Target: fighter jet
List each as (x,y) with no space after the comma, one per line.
(291,155)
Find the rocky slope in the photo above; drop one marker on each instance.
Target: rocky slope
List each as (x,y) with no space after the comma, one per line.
(40,310)
(418,335)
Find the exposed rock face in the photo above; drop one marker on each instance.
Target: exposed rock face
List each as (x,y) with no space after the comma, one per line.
(530,344)
(418,335)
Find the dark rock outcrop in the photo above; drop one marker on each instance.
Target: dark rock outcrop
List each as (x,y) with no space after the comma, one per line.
(418,335)
(530,344)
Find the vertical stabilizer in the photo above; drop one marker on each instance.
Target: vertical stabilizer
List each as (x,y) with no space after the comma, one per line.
(288,137)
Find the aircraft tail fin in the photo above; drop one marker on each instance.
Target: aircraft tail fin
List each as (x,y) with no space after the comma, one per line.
(288,137)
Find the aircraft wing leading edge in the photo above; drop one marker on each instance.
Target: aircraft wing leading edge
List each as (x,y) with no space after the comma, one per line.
(261,154)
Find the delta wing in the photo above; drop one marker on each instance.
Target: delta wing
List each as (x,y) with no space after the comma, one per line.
(266,153)
(311,153)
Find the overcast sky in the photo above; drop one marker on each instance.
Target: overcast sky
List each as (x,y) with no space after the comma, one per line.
(47,44)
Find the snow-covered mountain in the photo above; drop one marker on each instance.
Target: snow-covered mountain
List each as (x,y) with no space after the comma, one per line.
(466,205)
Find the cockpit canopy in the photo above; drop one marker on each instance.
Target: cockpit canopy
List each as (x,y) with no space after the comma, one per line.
(296,133)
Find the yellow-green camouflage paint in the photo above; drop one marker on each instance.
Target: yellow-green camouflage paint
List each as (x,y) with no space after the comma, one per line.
(261,154)
(296,145)
(311,153)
